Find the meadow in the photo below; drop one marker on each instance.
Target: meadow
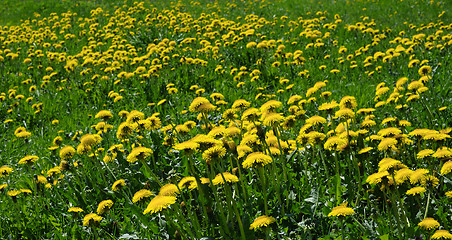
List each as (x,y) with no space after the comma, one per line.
(232,119)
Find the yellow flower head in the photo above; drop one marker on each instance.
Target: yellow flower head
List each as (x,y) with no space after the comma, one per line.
(67,152)
(341,210)
(139,154)
(5,171)
(91,218)
(28,159)
(429,224)
(213,153)
(158,203)
(441,234)
(228,177)
(75,209)
(262,221)
(415,190)
(104,114)
(256,159)
(104,206)
(141,194)
(118,184)
(169,190)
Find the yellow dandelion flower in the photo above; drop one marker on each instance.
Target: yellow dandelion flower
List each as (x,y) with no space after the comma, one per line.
(189,182)
(377,177)
(445,169)
(418,175)
(228,177)
(424,153)
(429,224)
(5,171)
(28,159)
(104,206)
(335,143)
(117,185)
(67,152)
(345,113)
(448,194)
(316,120)
(389,163)
(441,234)
(425,70)
(251,114)
(139,154)
(328,106)
(240,104)
(213,153)
(104,114)
(141,194)
(91,218)
(262,221)
(341,211)
(387,144)
(365,150)
(169,190)
(402,175)
(442,153)
(256,159)
(429,181)
(273,119)
(158,203)
(75,209)
(415,190)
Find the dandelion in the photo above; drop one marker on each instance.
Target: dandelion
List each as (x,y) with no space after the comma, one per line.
(387,144)
(240,104)
(418,175)
(424,153)
(316,120)
(75,209)
(141,194)
(67,152)
(213,153)
(425,70)
(139,154)
(415,190)
(91,219)
(442,153)
(251,114)
(402,175)
(30,159)
(5,171)
(169,190)
(429,224)
(189,182)
(228,177)
(256,159)
(335,143)
(429,181)
(159,203)
(441,234)
(273,119)
(117,185)
(341,210)
(377,177)
(262,221)
(104,114)
(188,147)
(104,206)
(445,169)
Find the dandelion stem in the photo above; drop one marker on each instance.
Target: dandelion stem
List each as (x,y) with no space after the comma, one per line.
(428,203)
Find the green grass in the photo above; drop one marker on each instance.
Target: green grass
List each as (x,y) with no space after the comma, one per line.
(301,178)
